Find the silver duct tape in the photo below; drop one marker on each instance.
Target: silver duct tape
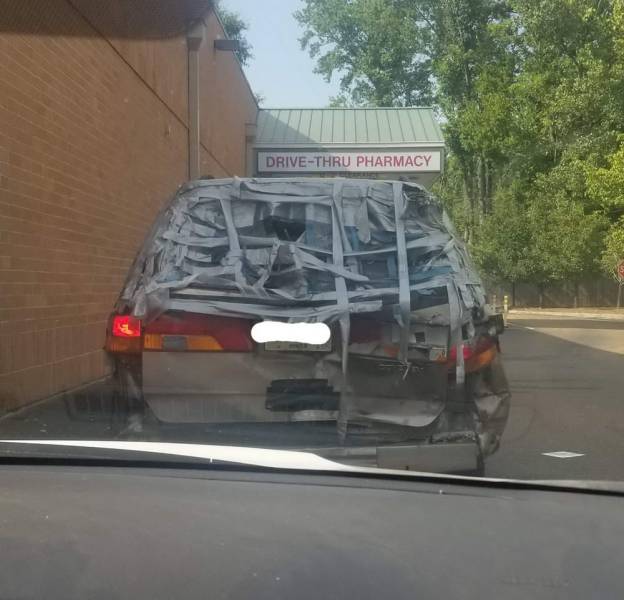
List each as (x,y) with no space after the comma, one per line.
(288,313)
(187,251)
(456,318)
(287,199)
(342,306)
(354,296)
(337,269)
(400,206)
(201,242)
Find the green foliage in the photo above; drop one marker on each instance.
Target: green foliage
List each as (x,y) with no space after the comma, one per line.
(503,247)
(532,92)
(606,188)
(541,235)
(448,189)
(614,248)
(235,28)
(606,184)
(565,242)
(377,47)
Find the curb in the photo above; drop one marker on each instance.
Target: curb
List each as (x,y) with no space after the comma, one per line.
(601,316)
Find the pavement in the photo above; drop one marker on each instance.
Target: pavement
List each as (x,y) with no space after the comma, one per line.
(566,374)
(567,381)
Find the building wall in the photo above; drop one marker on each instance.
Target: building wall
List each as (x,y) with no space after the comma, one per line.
(93,140)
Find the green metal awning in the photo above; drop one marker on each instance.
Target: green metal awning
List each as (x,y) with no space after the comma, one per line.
(346,127)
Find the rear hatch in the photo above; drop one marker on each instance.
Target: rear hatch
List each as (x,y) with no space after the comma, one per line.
(377,261)
(211,370)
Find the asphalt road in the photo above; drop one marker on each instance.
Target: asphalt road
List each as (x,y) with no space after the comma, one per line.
(567,381)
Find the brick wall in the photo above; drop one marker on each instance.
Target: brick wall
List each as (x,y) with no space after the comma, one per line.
(93,140)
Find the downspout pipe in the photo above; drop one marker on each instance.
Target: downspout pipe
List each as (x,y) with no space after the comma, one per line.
(194,39)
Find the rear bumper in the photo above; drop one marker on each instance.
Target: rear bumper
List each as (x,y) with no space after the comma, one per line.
(183,391)
(234,387)
(452,457)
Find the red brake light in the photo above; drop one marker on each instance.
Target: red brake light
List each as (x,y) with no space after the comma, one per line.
(124,335)
(126,326)
(468,352)
(475,357)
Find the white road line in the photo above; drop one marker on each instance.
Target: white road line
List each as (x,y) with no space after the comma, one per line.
(562,454)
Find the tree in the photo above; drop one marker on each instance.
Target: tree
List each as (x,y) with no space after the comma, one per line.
(606,184)
(532,94)
(235,28)
(406,52)
(606,188)
(379,48)
(566,243)
(502,248)
(542,235)
(474,65)
(614,248)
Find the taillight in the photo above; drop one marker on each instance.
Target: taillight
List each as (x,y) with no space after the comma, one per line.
(126,326)
(124,335)
(475,357)
(189,332)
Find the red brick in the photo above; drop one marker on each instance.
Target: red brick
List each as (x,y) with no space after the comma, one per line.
(94,142)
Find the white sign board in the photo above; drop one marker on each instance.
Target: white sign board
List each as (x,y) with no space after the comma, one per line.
(415,161)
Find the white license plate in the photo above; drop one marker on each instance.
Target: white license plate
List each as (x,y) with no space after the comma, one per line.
(297,347)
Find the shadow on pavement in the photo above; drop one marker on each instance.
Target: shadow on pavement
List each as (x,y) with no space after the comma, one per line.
(565,396)
(96,411)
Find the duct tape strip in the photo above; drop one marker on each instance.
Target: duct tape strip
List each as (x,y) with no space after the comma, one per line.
(226,207)
(183,258)
(135,274)
(354,296)
(310,314)
(311,262)
(234,256)
(400,207)
(275,198)
(456,334)
(342,301)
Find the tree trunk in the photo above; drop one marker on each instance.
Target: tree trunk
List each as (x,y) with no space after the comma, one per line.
(488,187)
(513,294)
(468,206)
(481,187)
(540,290)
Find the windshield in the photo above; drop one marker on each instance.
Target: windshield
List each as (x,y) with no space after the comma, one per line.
(372,234)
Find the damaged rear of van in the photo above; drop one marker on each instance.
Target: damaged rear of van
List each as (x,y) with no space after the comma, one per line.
(410,374)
